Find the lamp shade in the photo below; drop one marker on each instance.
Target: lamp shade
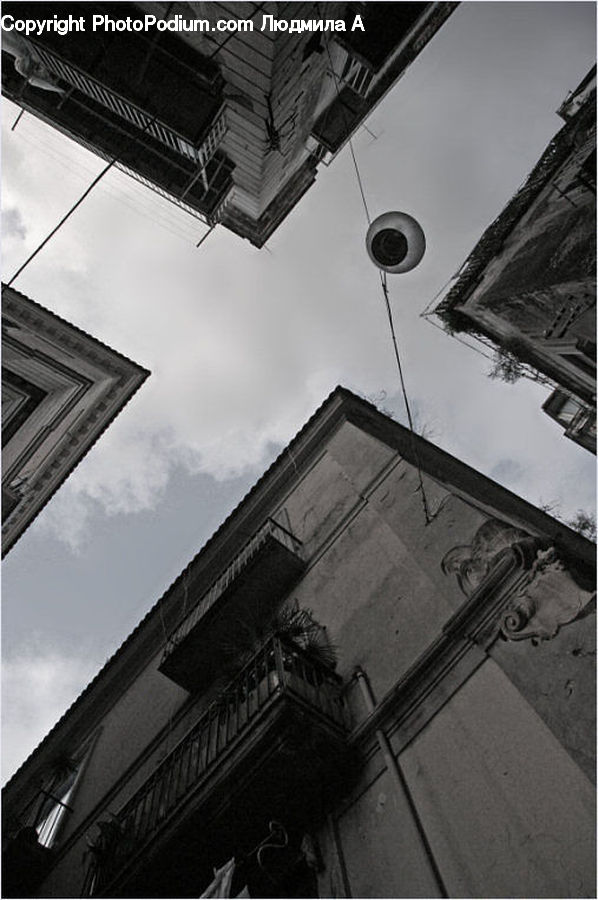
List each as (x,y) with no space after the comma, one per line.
(395,242)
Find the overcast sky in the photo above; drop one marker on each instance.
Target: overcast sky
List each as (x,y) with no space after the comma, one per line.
(243,344)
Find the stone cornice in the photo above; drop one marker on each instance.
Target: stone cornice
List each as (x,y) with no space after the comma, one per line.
(108,380)
(31,314)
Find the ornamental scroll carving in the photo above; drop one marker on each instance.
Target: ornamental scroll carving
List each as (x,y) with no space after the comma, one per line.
(472,562)
(549,600)
(540,595)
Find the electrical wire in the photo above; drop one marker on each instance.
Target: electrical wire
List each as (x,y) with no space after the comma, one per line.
(114,161)
(55,150)
(384,285)
(74,207)
(425,311)
(395,344)
(350,140)
(152,211)
(66,216)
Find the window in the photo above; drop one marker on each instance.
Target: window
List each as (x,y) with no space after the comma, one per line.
(55,804)
(50,809)
(568,410)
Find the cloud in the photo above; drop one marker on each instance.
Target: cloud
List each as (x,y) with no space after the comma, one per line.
(12,224)
(243,344)
(38,684)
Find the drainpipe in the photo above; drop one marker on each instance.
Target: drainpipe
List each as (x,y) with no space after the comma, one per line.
(398,777)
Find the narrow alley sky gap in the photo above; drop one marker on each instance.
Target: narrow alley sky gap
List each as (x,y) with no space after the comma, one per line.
(243,344)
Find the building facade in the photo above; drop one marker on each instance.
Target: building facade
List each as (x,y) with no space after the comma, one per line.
(577,419)
(60,389)
(231,125)
(341,695)
(529,286)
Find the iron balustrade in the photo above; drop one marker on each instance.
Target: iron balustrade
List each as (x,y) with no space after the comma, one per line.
(201,155)
(279,669)
(356,75)
(147,182)
(270,529)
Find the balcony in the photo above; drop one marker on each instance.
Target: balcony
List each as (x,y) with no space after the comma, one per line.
(257,578)
(271,747)
(200,154)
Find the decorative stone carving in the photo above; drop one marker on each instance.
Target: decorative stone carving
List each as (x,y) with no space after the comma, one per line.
(472,562)
(522,589)
(550,599)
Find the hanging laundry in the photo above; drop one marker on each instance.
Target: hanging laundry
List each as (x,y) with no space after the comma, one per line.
(221,885)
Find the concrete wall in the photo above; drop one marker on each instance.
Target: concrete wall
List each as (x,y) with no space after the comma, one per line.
(552,244)
(375,579)
(557,677)
(506,811)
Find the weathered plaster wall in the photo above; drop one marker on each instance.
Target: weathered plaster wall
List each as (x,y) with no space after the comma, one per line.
(382,851)
(558,678)
(507,811)
(552,244)
(375,580)
(481,770)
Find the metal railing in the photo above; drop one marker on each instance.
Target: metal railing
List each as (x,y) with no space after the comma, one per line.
(279,668)
(357,76)
(225,579)
(200,155)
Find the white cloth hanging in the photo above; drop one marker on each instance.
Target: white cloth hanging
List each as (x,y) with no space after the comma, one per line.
(221,885)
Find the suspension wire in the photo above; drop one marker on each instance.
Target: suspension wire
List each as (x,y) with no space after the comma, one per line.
(360,182)
(18,119)
(206,235)
(152,212)
(350,140)
(258,9)
(75,206)
(431,321)
(62,221)
(395,344)
(383,282)
(425,311)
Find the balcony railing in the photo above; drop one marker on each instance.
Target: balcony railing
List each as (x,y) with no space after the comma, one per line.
(279,673)
(258,576)
(201,155)
(356,75)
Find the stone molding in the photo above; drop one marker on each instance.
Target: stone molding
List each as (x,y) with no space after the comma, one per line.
(518,586)
(547,600)
(51,442)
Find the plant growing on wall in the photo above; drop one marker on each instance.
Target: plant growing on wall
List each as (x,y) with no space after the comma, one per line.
(584,523)
(292,623)
(511,362)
